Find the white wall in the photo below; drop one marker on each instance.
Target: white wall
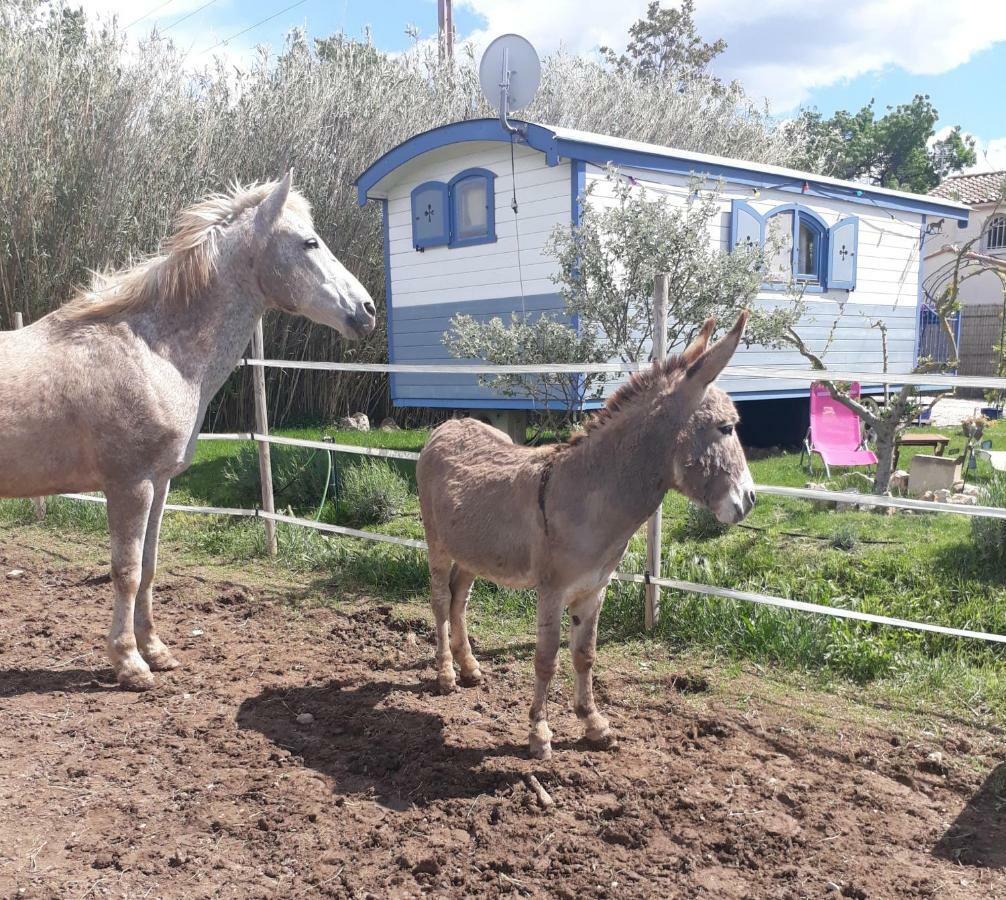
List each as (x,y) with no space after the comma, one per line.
(886,283)
(483,271)
(983,289)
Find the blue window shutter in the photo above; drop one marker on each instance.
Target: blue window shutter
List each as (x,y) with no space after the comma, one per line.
(430,215)
(843,248)
(746,226)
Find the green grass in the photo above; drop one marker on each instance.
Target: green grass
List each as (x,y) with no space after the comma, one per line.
(920,567)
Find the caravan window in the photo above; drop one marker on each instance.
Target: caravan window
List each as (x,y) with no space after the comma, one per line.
(473,207)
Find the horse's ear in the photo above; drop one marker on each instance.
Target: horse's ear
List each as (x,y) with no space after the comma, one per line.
(698,346)
(704,370)
(270,209)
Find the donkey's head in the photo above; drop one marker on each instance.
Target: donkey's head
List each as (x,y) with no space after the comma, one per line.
(298,273)
(708,464)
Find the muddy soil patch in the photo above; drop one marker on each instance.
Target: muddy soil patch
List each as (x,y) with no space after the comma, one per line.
(304,753)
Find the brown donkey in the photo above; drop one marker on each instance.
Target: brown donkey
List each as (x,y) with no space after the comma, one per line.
(559,518)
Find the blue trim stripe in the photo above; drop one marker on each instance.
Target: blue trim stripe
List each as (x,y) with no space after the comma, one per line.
(389,310)
(921,299)
(600,154)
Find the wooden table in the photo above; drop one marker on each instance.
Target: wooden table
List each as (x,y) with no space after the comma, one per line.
(938,442)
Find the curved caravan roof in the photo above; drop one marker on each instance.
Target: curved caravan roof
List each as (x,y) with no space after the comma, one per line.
(569,144)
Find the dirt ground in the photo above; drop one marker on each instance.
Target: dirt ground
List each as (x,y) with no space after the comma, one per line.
(210,786)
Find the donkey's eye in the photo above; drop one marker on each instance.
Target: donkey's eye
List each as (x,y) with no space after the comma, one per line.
(311,244)
(727,429)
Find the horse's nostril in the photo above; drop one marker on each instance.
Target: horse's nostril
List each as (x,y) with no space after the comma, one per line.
(370,307)
(751,497)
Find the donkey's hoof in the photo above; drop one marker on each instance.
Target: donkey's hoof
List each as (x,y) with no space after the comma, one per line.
(135,680)
(540,751)
(540,741)
(161,660)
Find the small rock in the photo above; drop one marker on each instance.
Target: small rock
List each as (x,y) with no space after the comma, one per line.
(305,719)
(899,481)
(389,424)
(942,496)
(15,573)
(356,422)
(197,632)
(964,499)
(971,490)
(935,757)
(410,639)
(928,496)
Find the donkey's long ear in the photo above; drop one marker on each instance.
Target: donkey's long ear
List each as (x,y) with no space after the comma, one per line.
(698,346)
(270,209)
(704,370)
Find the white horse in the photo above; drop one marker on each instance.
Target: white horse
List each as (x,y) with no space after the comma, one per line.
(108,392)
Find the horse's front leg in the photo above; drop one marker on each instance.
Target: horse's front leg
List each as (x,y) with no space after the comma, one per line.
(583,615)
(128,513)
(546,658)
(151,647)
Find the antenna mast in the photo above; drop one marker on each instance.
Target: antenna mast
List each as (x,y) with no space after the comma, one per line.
(445,26)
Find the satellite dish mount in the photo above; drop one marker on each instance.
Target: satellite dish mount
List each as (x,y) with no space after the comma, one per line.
(509,74)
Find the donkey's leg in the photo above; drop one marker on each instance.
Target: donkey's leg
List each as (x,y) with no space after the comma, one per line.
(546,659)
(440,588)
(461,588)
(128,513)
(152,648)
(583,647)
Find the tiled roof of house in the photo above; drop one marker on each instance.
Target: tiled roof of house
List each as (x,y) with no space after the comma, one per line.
(982,187)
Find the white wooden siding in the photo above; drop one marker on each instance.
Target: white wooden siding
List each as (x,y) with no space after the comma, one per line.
(886,282)
(482,271)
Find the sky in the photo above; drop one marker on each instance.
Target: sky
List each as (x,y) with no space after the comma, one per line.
(794,53)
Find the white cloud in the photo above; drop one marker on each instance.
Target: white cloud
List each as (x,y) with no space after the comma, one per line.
(991,155)
(779,49)
(580,26)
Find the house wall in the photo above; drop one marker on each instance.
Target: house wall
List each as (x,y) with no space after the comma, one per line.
(837,324)
(428,288)
(983,290)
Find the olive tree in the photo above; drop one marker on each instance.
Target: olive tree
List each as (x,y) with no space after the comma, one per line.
(605,273)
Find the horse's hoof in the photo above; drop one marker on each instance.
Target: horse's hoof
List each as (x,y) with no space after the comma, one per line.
(136,681)
(471,679)
(446,686)
(162,661)
(601,739)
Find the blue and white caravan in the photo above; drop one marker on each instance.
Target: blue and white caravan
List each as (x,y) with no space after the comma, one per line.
(453,243)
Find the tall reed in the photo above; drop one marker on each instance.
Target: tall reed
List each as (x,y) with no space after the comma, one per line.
(102,143)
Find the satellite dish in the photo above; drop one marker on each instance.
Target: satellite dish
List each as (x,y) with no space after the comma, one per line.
(509,73)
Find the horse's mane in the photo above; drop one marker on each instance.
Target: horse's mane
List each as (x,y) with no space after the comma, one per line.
(639,385)
(186,263)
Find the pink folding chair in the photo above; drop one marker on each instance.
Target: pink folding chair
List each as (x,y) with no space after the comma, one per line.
(835,432)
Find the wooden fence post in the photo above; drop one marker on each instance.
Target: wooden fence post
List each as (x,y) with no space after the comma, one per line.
(262,427)
(38,501)
(653,527)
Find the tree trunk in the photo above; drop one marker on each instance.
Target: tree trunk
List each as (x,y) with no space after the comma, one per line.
(886,435)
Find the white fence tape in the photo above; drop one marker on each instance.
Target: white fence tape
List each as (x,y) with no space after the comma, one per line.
(691,587)
(688,586)
(799,605)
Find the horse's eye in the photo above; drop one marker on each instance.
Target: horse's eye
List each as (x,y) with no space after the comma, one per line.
(311,244)
(727,429)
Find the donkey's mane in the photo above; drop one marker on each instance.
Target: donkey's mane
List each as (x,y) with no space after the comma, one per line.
(639,385)
(186,263)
